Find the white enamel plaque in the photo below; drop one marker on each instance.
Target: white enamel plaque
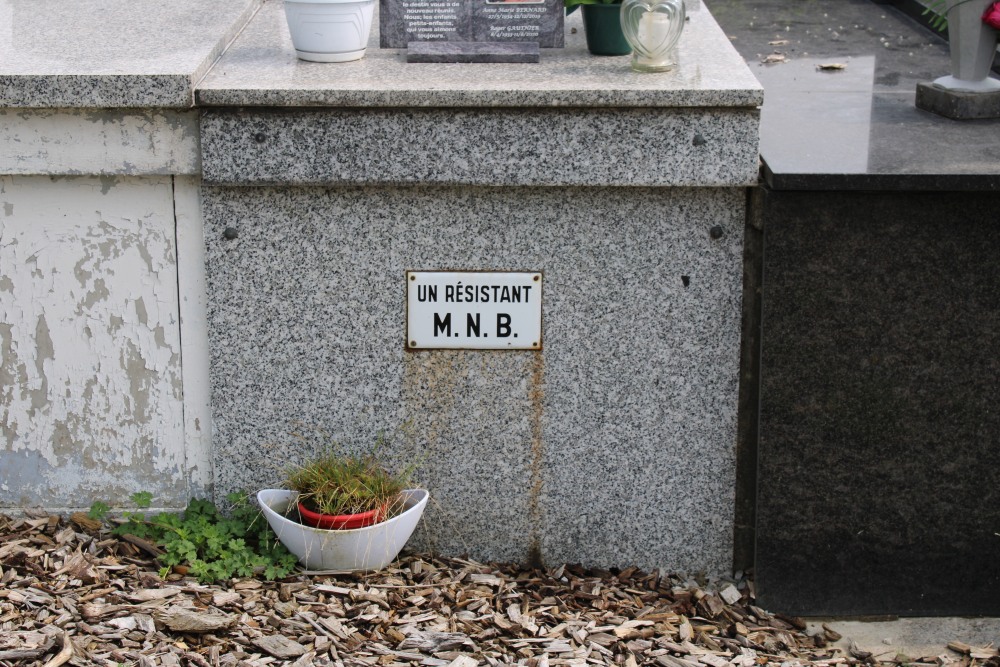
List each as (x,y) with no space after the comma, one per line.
(474,310)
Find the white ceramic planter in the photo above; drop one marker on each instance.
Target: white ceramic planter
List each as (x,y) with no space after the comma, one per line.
(329,31)
(972,45)
(370,548)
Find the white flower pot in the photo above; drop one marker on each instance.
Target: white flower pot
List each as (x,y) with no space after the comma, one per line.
(329,31)
(972,44)
(369,548)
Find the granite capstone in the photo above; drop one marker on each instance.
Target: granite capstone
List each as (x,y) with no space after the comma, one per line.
(613,446)
(96,91)
(112,53)
(261,69)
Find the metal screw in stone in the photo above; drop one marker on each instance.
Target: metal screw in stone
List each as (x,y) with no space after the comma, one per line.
(716,232)
(230,233)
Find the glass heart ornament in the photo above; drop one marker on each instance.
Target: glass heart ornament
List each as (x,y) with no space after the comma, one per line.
(653,28)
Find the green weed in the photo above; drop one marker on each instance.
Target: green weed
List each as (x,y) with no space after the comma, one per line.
(213,546)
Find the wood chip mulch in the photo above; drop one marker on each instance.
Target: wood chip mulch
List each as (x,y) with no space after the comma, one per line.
(72,593)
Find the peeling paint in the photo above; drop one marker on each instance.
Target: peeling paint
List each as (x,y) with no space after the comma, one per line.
(140,311)
(111,142)
(43,351)
(98,292)
(90,378)
(140,378)
(107,182)
(81,274)
(8,425)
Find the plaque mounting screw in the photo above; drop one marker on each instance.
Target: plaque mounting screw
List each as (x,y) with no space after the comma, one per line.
(716,232)
(413,343)
(260,137)
(537,278)
(230,233)
(699,140)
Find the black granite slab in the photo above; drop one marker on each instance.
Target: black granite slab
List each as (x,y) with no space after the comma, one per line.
(472,52)
(879,434)
(877,483)
(859,127)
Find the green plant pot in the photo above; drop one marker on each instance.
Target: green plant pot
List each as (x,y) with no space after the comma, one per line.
(603,27)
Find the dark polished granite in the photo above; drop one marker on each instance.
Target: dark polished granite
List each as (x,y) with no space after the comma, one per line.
(877,441)
(857,127)
(879,451)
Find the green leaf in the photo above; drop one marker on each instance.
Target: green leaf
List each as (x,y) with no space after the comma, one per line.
(202,570)
(170,558)
(98,511)
(213,546)
(237,498)
(142,499)
(198,507)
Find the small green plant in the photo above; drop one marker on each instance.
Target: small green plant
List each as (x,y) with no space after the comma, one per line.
(336,483)
(99,511)
(142,499)
(212,545)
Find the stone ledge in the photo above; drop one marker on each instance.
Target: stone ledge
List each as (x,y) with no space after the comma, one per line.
(261,69)
(112,53)
(497,147)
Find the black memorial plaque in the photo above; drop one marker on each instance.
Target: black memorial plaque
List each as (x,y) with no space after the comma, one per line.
(404,21)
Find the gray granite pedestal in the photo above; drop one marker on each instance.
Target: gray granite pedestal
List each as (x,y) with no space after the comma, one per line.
(614,445)
(957,104)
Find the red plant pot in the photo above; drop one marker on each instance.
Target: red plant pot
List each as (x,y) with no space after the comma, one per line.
(341,521)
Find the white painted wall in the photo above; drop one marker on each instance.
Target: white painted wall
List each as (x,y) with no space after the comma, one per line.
(103,357)
(192,297)
(75,141)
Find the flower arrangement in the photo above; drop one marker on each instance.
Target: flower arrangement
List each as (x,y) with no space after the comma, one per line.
(991,16)
(939,9)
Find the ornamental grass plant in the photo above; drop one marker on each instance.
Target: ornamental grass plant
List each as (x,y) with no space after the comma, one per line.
(337,483)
